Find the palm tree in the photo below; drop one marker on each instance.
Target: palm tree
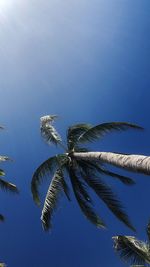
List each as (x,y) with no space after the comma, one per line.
(4,185)
(84,169)
(133,250)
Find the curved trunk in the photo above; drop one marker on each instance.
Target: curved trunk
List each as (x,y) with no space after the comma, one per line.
(135,163)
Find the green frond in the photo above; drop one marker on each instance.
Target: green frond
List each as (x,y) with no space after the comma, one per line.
(124,179)
(51,200)
(2,264)
(46,169)
(132,250)
(2,218)
(148,230)
(74,133)
(65,186)
(84,204)
(94,167)
(48,119)
(4,185)
(48,132)
(81,188)
(81,149)
(100,130)
(2,173)
(105,193)
(4,158)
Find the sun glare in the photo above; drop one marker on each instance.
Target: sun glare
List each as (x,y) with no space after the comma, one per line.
(4,4)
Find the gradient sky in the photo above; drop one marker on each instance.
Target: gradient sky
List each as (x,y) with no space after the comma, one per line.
(87,61)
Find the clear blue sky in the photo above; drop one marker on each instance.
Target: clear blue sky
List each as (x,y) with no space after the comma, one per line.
(87,61)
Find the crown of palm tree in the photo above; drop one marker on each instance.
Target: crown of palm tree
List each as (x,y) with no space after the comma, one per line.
(85,169)
(132,250)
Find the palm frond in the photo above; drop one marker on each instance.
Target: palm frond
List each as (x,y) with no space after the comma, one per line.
(47,168)
(48,119)
(2,173)
(74,132)
(4,158)
(148,230)
(84,204)
(8,186)
(48,132)
(81,149)
(132,250)
(124,179)
(65,185)
(51,200)
(92,167)
(2,218)
(2,264)
(100,130)
(105,193)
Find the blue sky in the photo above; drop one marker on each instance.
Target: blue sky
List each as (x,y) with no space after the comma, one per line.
(87,61)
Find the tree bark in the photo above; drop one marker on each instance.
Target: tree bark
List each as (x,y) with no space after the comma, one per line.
(135,163)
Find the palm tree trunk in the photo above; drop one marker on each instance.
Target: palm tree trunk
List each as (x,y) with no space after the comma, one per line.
(135,163)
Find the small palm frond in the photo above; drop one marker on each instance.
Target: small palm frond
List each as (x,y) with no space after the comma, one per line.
(148,230)
(65,186)
(48,119)
(4,158)
(124,179)
(105,193)
(47,168)
(81,188)
(50,204)
(100,130)
(2,173)
(8,186)
(93,167)
(2,264)
(132,250)
(83,201)
(48,132)
(2,218)
(74,132)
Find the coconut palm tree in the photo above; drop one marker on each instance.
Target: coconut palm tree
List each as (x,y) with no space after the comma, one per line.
(84,169)
(4,185)
(133,250)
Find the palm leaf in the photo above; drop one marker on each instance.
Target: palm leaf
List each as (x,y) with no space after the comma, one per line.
(148,230)
(50,204)
(2,264)
(124,179)
(4,158)
(48,119)
(105,193)
(8,186)
(100,130)
(93,167)
(85,206)
(132,250)
(74,132)
(47,168)
(65,185)
(48,132)
(2,173)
